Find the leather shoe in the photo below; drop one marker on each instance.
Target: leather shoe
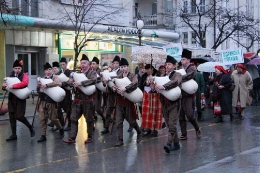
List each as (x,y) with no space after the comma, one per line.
(105,131)
(42,139)
(182,137)
(198,133)
(89,140)
(61,133)
(163,125)
(69,141)
(67,128)
(130,129)
(167,148)
(11,138)
(119,143)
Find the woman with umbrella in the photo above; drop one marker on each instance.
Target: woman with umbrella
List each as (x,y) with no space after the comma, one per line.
(243,82)
(151,105)
(221,96)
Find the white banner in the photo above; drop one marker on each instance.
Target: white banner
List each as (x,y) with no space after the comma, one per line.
(174,50)
(231,56)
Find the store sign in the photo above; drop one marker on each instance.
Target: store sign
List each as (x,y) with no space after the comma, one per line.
(174,50)
(122,30)
(231,56)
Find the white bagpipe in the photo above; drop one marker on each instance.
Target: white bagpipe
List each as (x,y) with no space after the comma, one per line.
(107,75)
(100,86)
(20,93)
(79,77)
(55,93)
(172,94)
(63,78)
(189,86)
(135,96)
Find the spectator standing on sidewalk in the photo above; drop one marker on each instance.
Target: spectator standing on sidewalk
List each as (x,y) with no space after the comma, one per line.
(243,82)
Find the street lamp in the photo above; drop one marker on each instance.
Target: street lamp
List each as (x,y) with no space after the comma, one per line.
(139,25)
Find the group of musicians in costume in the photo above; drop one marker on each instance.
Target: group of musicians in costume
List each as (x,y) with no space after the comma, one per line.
(76,103)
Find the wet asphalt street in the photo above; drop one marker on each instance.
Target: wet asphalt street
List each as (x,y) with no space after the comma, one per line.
(225,147)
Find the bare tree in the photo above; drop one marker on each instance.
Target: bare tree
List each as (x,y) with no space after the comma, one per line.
(225,22)
(5,8)
(86,15)
(247,38)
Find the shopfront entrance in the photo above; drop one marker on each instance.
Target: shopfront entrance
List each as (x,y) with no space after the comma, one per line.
(30,66)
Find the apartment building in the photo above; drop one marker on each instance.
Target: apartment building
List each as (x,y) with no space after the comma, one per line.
(187,7)
(37,31)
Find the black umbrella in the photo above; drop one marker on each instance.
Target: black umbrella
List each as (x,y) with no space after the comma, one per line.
(203,59)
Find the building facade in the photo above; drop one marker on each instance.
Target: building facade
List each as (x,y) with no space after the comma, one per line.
(249,8)
(43,31)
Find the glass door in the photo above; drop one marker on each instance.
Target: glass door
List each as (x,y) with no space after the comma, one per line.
(30,67)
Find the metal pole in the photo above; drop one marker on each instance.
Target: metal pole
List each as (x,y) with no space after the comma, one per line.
(214,23)
(140,36)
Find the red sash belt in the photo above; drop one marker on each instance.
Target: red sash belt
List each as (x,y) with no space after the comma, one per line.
(90,99)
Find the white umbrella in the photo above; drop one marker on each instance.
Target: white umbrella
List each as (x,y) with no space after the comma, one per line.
(210,66)
(147,54)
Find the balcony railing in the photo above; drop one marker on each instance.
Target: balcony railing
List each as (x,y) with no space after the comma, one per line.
(166,20)
(148,20)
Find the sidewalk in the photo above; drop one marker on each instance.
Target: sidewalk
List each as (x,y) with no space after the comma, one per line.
(30,107)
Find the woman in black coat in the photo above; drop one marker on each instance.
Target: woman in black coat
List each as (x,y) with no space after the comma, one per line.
(221,94)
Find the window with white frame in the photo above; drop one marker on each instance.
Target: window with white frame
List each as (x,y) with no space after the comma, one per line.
(185,37)
(193,6)
(185,7)
(193,38)
(26,7)
(202,6)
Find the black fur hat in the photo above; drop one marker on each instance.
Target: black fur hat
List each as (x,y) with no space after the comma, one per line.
(117,58)
(123,62)
(170,59)
(55,64)
(17,63)
(186,54)
(63,59)
(95,59)
(47,66)
(84,57)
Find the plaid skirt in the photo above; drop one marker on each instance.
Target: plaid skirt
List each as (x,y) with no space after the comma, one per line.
(151,111)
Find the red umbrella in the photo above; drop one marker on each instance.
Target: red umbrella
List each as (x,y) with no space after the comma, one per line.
(249,55)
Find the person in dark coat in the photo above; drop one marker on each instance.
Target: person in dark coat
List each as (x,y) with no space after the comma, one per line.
(66,102)
(16,106)
(188,100)
(98,94)
(221,94)
(199,93)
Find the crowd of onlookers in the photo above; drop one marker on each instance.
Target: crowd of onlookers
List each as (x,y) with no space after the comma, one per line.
(227,91)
